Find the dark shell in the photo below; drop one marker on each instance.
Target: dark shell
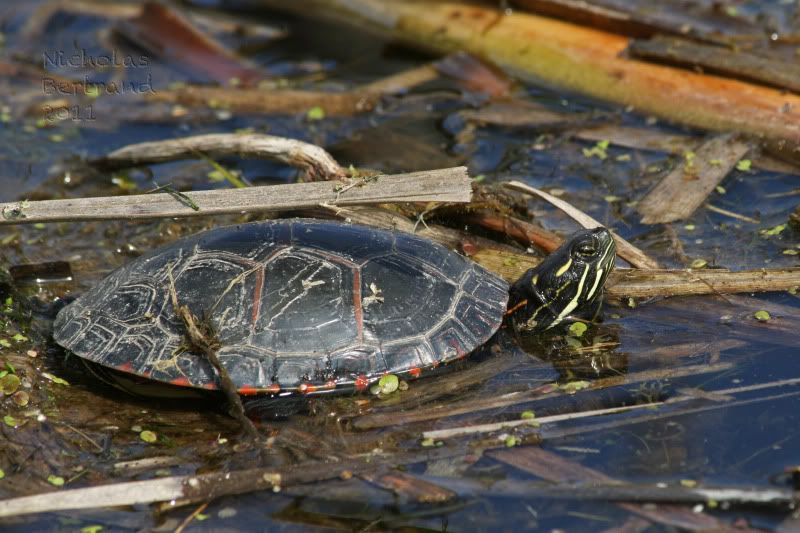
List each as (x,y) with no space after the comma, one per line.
(296,304)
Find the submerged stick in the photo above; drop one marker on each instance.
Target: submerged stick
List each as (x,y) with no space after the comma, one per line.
(315,161)
(256,100)
(558,469)
(685,189)
(611,491)
(536,422)
(177,488)
(428,411)
(443,185)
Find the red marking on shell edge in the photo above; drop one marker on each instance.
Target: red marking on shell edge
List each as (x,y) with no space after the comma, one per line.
(358,311)
(126,367)
(361,382)
(306,388)
(257,295)
(468,248)
(457,347)
(329,385)
(182,381)
(273,389)
(248,390)
(415,372)
(210,386)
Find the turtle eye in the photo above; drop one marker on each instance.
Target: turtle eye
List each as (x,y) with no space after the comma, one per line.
(586,249)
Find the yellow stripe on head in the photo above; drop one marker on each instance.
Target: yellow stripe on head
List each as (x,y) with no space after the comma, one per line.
(572,303)
(560,272)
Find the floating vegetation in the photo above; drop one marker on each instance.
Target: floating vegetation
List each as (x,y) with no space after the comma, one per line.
(148,436)
(315,113)
(56,481)
(577,329)
(21,398)
(55,379)
(599,150)
(775,230)
(574,386)
(762,316)
(386,385)
(9,384)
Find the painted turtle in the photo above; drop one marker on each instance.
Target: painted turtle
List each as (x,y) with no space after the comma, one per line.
(313,306)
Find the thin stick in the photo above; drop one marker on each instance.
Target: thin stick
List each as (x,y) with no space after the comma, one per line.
(146,463)
(488,428)
(318,163)
(517,229)
(611,491)
(557,469)
(250,100)
(646,284)
(205,341)
(625,250)
(82,434)
(637,283)
(444,185)
(202,487)
(534,422)
(192,516)
(731,214)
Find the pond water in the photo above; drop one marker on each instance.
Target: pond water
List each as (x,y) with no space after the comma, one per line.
(728,383)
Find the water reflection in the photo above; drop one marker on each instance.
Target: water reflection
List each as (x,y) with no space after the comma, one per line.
(591,355)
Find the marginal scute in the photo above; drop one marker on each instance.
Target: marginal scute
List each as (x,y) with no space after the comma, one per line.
(131,348)
(408,354)
(291,371)
(248,364)
(293,302)
(94,340)
(70,324)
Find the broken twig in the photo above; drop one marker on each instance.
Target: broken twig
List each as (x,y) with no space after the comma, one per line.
(201,338)
(315,161)
(625,250)
(444,185)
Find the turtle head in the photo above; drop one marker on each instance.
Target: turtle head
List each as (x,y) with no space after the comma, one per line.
(569,282)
